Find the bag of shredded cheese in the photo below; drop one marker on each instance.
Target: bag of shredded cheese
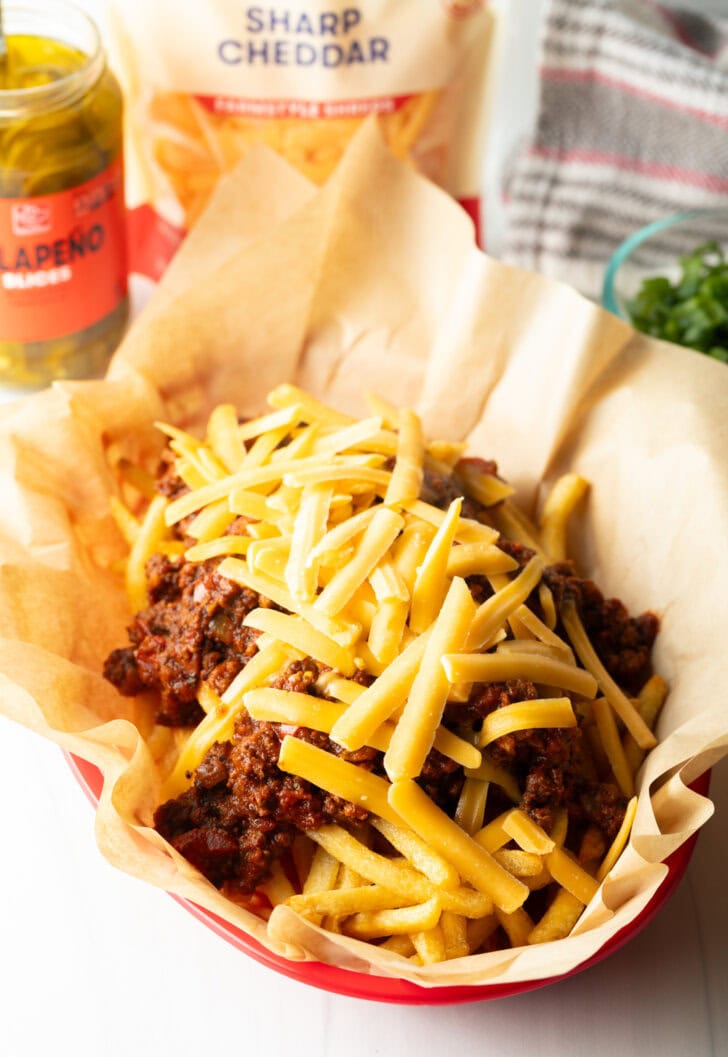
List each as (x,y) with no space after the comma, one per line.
(206,81)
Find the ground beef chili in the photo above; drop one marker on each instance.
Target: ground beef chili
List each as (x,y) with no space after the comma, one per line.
(623,643)
(548,764)
(239,797)
(191,630)
(440,489)
(241,813)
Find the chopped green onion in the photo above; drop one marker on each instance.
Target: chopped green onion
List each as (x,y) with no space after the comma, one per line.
(692,311)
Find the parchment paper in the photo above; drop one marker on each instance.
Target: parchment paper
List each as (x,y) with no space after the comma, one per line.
(374,282)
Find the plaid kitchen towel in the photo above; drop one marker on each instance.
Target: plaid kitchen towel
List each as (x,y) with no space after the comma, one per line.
(632,126)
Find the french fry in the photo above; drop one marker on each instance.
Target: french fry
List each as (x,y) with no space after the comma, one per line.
(546,599)
(419,853)
(592,849)
(372,924)
(527,834)
(609,736)
(398,876)
(381,407)
(323,873)
(616,697)
(517,926)
(470,810)
(649,702)
(519,863)
(430,945)
(559,919)
(619,841)
(479,931)
(402,880)
(560,504)
(560,827)
(341,902)
(307,406)
(302,852)
(401,945)
(538,881)
(138,478)
(494,835)
(454,929)
(150,534)
(570,875)
(126,523)
(277,888)
(514,524)
(484,487)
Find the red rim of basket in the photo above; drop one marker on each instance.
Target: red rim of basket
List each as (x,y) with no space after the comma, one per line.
(402,992)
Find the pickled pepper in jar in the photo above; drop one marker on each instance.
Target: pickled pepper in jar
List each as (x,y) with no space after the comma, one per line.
(63,281)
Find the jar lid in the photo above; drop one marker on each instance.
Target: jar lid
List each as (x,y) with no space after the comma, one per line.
(56,21)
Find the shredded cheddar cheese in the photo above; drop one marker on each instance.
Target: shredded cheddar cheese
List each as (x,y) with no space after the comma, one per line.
(320,515)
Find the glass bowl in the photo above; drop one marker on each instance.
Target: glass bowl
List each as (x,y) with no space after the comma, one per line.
(656,249)
(402,992)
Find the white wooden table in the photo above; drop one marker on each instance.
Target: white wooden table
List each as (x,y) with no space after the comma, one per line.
(97,963)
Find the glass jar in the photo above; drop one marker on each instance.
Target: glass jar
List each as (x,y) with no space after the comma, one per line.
(63,281)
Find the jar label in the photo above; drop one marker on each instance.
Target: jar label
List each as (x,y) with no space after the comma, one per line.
(62,259)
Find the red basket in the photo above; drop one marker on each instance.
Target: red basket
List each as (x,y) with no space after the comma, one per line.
(401,992)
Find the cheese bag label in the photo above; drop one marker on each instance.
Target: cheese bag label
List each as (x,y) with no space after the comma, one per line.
(205,82)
